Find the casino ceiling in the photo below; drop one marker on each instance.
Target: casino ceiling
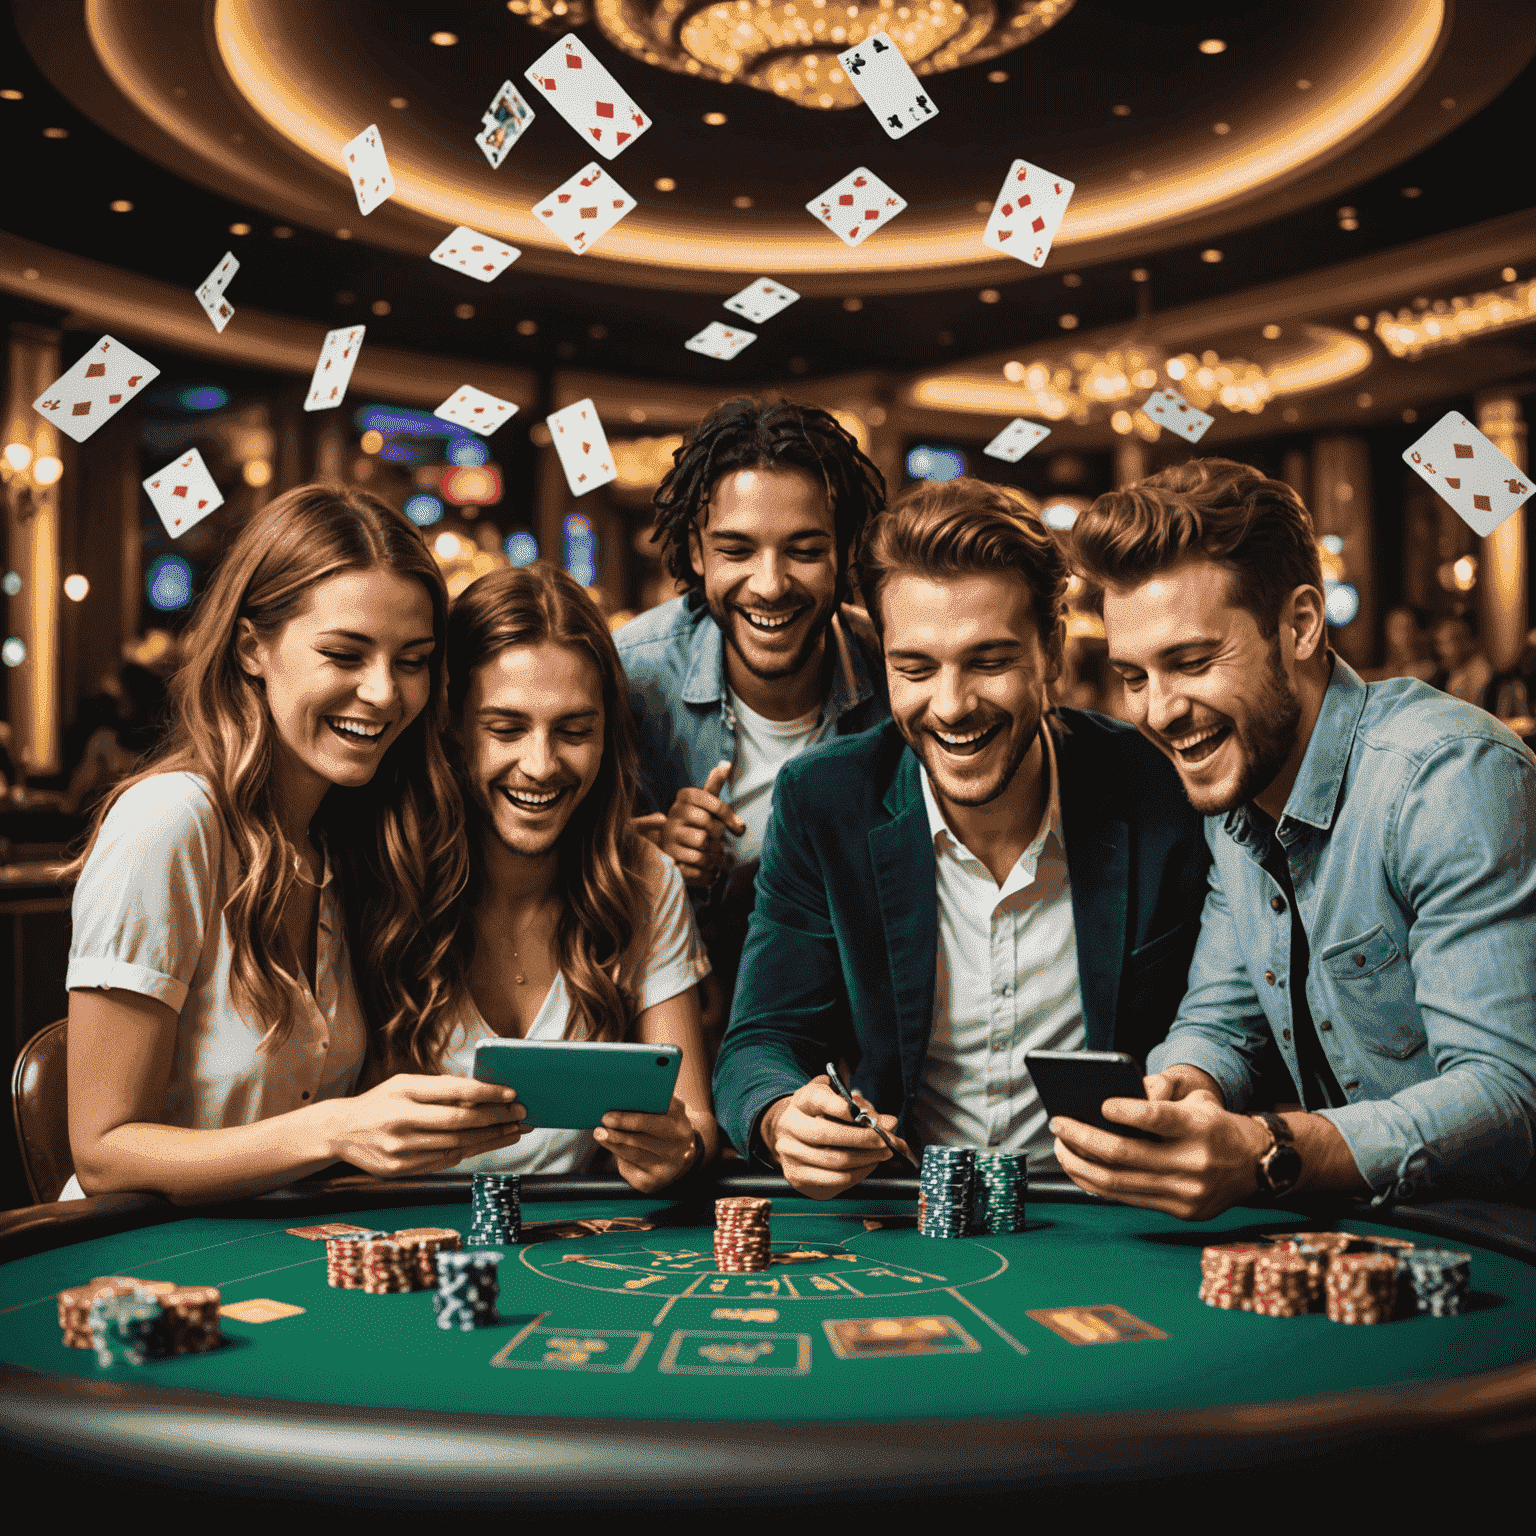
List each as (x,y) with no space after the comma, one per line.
(1266,181)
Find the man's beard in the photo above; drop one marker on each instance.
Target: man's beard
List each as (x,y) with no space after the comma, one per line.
(1268,741)
(726,618)
(1018,751)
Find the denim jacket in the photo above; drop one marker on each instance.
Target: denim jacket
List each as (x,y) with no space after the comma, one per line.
(1410,836)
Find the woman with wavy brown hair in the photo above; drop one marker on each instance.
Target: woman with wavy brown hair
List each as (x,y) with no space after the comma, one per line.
(572,926)
(255,904)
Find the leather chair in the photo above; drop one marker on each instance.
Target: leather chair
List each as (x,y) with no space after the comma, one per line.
(40,1105)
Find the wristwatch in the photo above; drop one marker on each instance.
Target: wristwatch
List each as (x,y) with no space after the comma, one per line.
(1280,1165)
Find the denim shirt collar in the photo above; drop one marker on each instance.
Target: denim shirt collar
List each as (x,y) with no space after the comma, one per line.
(705,682)
(1314,798)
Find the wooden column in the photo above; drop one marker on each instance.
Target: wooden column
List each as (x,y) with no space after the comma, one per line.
(1502,578)
(1341,504)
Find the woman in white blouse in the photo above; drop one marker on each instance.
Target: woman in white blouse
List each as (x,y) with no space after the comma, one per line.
(254,906)
(572,925)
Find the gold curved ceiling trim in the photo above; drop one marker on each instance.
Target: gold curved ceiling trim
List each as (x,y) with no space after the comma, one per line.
(272,77)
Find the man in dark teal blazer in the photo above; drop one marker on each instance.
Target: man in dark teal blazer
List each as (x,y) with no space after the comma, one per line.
(975,878)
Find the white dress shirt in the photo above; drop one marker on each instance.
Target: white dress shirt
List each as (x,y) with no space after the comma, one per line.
(1005,982)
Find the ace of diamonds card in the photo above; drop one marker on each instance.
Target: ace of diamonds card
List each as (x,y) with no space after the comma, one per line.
(582,444)
(183,493)
(95,389)
(1028,212)
(1480,483)
(855,207)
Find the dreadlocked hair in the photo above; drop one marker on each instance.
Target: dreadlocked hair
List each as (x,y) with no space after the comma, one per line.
(763,434)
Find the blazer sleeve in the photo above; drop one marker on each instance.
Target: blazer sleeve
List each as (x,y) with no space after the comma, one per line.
(791,1004)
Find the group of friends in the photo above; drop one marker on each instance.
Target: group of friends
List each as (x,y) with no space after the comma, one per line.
(779,830)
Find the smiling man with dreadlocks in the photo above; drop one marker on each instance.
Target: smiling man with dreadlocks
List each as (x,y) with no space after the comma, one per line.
(760,657)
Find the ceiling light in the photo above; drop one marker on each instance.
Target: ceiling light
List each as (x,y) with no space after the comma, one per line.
(10,95)
(1213,45)
(1303,85)
(1508,275)
(257,472)
(597,332)
(982,207)
(741,202)
(1447,102)
(282,232)
(1349,223)
(1014,372)
(1121,422)
(1211,255)
(636,415)
(76,588)
(31,274)
(55,133)
(1271,333)
(371,441)
(1362,322)
(1121,111)
(853,306)
(399,103)
(1363,400)
(464,311)
(1221,128)
(715,119)
(46,470)
(1071,280)
(1444,323)
(989,296)
(121,205)
(1410,416)
(1139,274)
(998,77)
(380,306)
(239,229)
(18,456)
(665,184)
(1067,322)
(342,234)
(445,39)
(1413,191)
(527,327)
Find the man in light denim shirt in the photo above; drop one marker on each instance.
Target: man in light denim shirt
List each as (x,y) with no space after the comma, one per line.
(761,657)
(1372,903)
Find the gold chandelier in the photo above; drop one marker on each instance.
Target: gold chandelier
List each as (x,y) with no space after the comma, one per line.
(789,48)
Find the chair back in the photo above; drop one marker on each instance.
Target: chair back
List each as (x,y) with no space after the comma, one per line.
(40,1105)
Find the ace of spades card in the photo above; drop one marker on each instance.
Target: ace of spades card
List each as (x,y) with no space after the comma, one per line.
(183,493)
(720,341)
(584,208)
(503,124)
(1482,485)
(367,169)
(95,389)
(475,409)
(467,250)
(582,444)
(210,292)
(855,207)
(569,76)
(1168,408)
(1016,439)
(333,370)
(885,81)
(761,301)
(1028,212)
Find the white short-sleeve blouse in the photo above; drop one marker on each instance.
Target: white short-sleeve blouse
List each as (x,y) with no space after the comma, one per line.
(149,918)
(674,961)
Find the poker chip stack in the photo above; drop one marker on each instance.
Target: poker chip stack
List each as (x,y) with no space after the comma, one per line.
(496,1209)
(743,1241)
(1316,1260)
(1436,1281)
(997,1196)
(1281,1284)
(344,1259)
(189,1319)
(421,1245)
(75,1306)
(386,1267)
(1361,1287)
(126,1329)
(1226,1276)
(467,1288)
(944,1190)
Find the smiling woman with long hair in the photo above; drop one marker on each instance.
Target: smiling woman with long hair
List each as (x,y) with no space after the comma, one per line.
(254,904)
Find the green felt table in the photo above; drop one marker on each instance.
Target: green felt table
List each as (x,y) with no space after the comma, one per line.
(634,1333)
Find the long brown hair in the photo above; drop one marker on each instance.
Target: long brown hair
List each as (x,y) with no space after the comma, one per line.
(396,842)
(602,893)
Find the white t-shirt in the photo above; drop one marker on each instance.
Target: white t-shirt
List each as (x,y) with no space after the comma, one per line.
(763,747)
(148,918)
(674,961)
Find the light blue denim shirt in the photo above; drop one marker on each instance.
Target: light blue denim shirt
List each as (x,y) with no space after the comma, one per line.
(1410,836)
(674,658)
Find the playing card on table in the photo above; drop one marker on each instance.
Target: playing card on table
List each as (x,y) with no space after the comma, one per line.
(577,86)
(582,444)
(503,125)
(475,409)
(338,357)
(1481,484)
(585,208)
(368,169)
(1168,408)
(1016,439)
(887,84)
(1028,212)
(183,493)
(856,206)
(95,389)
(762,301)
(721,341)
(467,250)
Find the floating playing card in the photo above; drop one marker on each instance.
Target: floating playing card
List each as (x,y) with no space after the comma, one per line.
(503,126)
(219,279)
(338,357)
(475,409)
(1027,213)
(583,447)
(569,76)
(1016,439)
(890,90)
(467,250)
(368,169)
(855,207)
(1481,484)
(95,389)
(215,305)
(183,493)
(721,341)
(1168,408)
(762,301)
(585,208)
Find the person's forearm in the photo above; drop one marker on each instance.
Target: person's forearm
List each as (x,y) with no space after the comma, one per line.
(1327,1164)
(190,1167)
(1191,1080)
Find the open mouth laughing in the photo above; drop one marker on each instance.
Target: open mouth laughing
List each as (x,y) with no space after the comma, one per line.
(1199,745)
(357,733)
(769,624)
(532,802)
(967,743)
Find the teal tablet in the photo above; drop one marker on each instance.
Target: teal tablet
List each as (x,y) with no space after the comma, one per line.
(570,1085)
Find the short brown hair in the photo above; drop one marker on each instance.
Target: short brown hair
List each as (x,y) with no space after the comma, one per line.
(964,528)
(1256,529)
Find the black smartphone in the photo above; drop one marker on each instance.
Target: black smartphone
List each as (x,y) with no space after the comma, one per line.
(1075,1084)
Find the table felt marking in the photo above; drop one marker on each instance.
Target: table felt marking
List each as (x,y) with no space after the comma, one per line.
(997,1328)
(728,1355)
(672,1301)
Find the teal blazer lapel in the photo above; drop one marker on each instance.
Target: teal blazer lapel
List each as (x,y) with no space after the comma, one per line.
(901,853)
(1098,869)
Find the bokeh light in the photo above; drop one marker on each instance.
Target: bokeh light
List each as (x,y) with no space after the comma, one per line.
(521,547)
(468,450)
(424,510)
(14,651)
(203,397)
(925,463)
(1343,603)
(169,583)
(76,588)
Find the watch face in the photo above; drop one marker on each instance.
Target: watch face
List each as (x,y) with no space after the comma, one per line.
(1282,1168)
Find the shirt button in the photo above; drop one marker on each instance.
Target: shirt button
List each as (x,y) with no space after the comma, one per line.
(1358,959)
(1285,1034)
(1325,1025)
(305,1094)
(325,1045)
(1269,976)
(1277,903)
(1350,1087)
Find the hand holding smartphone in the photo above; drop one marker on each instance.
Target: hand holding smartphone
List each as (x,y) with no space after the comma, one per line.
(1075,1084)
